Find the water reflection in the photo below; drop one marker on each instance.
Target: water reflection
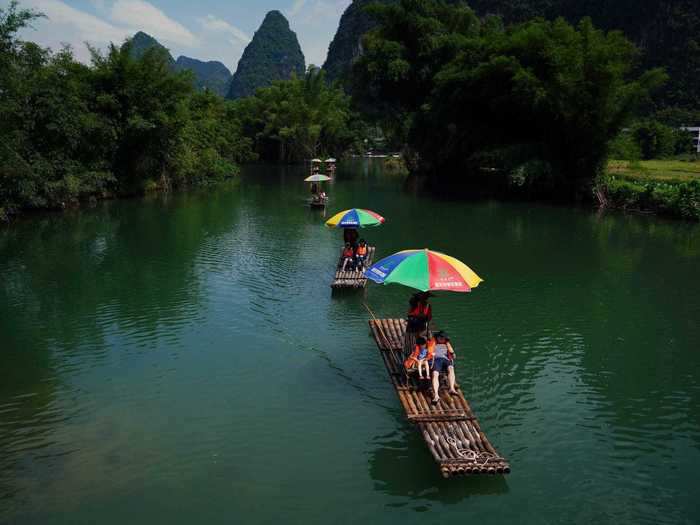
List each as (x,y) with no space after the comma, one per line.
(71,286)
(194,340)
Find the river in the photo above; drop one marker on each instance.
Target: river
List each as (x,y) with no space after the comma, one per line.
(181,359)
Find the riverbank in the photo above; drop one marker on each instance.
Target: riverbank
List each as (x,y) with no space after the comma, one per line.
(664,187)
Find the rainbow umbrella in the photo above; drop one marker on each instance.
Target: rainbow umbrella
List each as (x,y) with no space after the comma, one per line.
(425,270)
(317,178)
(355,218)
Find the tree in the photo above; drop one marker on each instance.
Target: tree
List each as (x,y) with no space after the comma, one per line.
(541,91)
(121,125)
(297,119)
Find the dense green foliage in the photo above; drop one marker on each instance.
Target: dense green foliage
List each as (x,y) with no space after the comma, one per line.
(649,139)
(298,119)
(273,54)
(206,76)
(465,93)
(681,200)
(667,32)
(70,131)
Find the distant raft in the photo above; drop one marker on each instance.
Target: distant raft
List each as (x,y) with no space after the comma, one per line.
(450,429)
(351,278)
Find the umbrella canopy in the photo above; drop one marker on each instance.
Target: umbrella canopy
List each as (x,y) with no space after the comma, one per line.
(316,160)
(424,270)
(317,178)
(355,218)
(330,160)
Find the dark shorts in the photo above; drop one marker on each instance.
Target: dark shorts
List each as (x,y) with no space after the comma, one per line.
(441,364)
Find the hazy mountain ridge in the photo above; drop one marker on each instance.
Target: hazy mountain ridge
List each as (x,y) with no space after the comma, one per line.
(211,75)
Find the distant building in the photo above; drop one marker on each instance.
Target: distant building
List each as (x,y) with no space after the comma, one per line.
(696,137)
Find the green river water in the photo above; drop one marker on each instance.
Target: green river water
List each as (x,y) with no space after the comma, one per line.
(181,359)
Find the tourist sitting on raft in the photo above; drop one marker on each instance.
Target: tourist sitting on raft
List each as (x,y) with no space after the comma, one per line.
(361,255)
(443,361)
(347,257)
(421,356)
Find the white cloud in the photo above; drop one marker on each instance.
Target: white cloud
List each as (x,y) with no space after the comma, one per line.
(90,27)
(67,25)
(296,7)
(146,17)
(218,25)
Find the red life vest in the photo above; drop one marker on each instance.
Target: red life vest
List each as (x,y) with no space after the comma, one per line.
(421,310)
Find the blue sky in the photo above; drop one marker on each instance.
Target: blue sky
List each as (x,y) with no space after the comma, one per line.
(203,29)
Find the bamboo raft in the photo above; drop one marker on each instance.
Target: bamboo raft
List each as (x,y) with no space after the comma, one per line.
(449,428)
(352,278)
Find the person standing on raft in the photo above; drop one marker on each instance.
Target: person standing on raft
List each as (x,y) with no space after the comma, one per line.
(350,235)
(443,361)
(420,313)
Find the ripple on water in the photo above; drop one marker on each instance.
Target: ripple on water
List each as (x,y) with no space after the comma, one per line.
(200,361)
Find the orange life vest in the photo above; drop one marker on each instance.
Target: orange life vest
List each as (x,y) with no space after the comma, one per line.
(362,250)
(412,360)
(347,252)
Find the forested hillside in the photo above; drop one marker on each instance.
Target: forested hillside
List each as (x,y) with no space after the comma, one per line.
(346,44)
(273,54)
(142,42)
(667,32)
(212,75)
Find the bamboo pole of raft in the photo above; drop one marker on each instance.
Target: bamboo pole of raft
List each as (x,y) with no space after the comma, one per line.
(438,443)
(411,403)
(433,446)
(395,327)
(388,331)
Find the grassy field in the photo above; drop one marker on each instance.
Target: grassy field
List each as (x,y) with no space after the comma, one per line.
(666,187)
(669,171)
